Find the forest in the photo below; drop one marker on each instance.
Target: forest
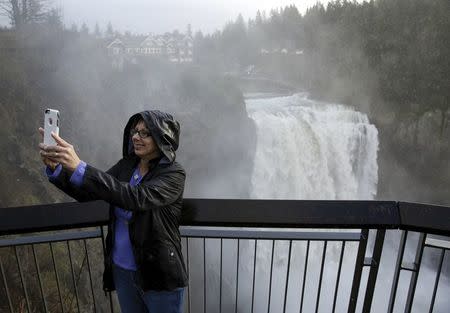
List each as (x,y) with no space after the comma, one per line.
(393,51)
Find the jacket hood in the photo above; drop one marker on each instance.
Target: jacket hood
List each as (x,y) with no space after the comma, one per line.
(164,129)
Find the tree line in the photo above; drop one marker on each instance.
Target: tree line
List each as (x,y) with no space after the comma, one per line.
(394,51)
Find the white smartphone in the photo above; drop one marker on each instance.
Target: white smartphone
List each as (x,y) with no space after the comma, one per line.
(51,124)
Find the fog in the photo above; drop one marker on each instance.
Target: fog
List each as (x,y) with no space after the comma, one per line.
(289,46)
(346,101)
(141,16)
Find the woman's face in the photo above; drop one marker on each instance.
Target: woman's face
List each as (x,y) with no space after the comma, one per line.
(145,148)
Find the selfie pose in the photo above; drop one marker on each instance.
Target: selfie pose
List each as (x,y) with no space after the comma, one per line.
(143,260)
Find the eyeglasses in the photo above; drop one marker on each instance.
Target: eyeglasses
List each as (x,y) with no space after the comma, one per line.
(142,133)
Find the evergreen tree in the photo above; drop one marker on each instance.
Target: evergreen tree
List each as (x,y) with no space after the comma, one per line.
(394,51)
(54,19)
(74,28)
(189,30)
(258,19)
(84,29)
(97,32)
(109,31)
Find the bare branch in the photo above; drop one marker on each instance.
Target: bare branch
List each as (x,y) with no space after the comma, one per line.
(22,12)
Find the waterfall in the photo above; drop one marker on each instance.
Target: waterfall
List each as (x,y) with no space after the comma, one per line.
(305,149)
(308,149)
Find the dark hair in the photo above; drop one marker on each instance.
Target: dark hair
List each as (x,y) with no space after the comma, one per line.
(136,121)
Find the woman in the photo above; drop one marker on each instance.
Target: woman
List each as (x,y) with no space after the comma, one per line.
(143,259)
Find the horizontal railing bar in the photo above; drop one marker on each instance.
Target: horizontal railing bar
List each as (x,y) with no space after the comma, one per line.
(270,234)
(45,238)
(291,213)
(369,261)
(437,243)
(56,216)
(410,266)
(425,218)
(244,213)
(214,212)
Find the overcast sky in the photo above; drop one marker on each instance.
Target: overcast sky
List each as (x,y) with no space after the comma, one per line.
(159,16)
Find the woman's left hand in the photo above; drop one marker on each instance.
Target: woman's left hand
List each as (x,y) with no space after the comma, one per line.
(63,153)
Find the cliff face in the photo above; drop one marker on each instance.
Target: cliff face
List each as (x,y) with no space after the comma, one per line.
(218,145)
(429,132)
(415,157)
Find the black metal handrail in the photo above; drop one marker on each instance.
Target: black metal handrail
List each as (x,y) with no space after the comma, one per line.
(245,213)
(225,220)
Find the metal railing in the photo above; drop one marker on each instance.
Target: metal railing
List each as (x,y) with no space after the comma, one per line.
(17,251)
(243,256)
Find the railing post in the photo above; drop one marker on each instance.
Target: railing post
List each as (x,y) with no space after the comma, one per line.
(358,270)
(436,282)
(398,267)
(103,237)
(2,270)
(415,272)
(374,266)
(22,279)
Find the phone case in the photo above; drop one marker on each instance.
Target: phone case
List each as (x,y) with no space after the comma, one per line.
(51,124)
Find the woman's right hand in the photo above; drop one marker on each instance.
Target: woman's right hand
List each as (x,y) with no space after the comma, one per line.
(46,160)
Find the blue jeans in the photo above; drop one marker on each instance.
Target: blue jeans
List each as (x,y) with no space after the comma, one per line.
(133,299)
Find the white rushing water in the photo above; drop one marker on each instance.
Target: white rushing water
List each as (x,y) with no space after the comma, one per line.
(305,150)
(308,149)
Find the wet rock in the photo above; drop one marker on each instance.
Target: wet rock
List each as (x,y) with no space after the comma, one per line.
(406,132)
(429,131)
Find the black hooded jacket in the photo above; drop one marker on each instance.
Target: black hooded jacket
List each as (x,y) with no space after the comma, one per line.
(156,204)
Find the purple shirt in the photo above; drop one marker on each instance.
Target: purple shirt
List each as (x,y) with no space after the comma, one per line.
(122,251)
(77,177)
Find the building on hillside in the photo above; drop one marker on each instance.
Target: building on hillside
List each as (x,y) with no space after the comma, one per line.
(277,51)
(176,48)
